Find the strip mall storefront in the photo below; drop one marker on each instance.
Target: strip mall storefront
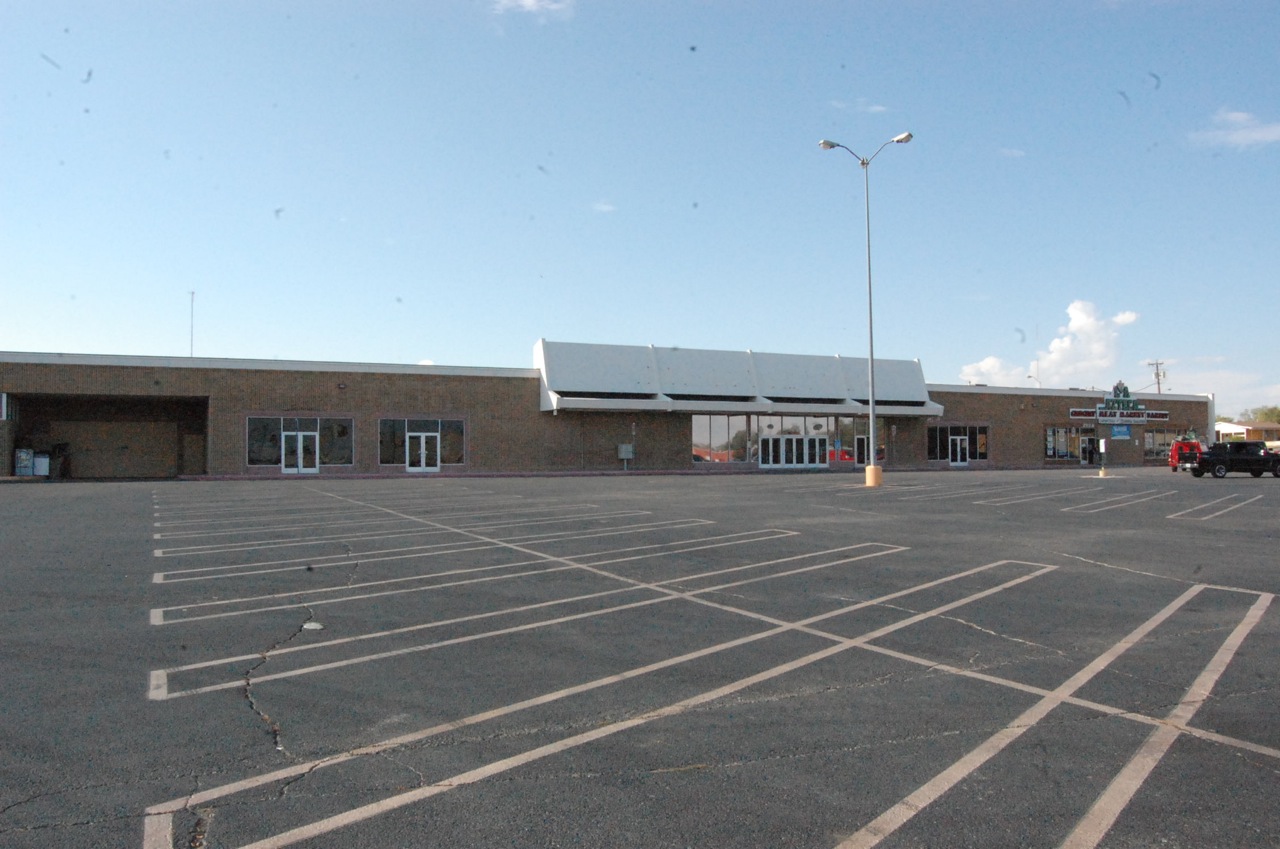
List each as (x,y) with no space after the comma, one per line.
(580,408)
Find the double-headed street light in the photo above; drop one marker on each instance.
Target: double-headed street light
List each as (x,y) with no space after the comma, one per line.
(873,471)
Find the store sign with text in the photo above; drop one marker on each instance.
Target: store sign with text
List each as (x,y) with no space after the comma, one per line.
(1119,408)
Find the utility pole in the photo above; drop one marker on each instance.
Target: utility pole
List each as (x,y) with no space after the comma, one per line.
(1160,375)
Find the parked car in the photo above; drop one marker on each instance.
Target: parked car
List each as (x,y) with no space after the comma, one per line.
(1184,454)
(1246,456)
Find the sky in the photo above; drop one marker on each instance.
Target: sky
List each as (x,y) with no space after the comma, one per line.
(1091,187)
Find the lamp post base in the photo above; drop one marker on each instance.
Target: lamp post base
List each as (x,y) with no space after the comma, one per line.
(874,478)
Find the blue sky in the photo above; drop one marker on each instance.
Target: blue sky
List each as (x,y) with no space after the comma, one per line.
(1092,185)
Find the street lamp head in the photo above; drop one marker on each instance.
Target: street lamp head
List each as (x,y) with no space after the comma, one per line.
(828,145)
(903,139)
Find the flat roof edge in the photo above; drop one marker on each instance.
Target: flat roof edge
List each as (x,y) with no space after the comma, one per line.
(979,389)
(117,360)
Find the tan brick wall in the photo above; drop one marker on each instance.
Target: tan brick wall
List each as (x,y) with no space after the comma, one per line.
(504,429)
(1016,425)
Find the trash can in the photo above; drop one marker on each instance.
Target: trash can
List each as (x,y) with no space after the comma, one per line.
(40,466)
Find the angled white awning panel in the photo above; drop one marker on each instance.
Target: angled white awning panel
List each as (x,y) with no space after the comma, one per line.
(630,377)
(896,380)
(800,377)
(685,372)
(604,369)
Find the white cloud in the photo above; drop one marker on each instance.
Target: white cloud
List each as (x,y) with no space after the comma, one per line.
(534,6)
(1012,153)
(603,206)
(1237,129)
(872,108)
(1082,354)
(426,362)
(994,371)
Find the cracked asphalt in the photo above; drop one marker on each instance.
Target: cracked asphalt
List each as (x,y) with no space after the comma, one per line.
(981,659)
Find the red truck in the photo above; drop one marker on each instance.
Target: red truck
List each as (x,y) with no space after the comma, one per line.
(1184,455)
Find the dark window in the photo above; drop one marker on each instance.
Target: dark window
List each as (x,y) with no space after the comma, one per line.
(336,443)
(264,442)
(391,442)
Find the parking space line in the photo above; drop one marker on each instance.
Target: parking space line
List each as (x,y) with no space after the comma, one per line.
(1183,513)
(1087,704)
(158,686)
(898,815)
(158,819)
(263,567)
(961,493)
(1019,499)
(1089,832)
(425,528)
(1117,501)
(159,615)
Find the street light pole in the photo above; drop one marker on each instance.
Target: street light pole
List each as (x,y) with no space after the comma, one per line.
(873,471)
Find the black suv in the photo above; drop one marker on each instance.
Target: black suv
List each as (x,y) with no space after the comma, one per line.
(1252,457)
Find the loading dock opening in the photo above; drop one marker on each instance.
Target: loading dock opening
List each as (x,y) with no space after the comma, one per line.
(113,437)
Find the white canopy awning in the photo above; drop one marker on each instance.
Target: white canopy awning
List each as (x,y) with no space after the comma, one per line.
(578,376)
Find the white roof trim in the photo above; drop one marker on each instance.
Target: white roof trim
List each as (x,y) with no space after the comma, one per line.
(257,365)
(578,376)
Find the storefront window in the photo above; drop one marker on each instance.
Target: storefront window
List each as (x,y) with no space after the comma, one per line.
(263,442)
(264,439)
(720,439)
(394,433)
(939,441)
(1065,443)
(391,442)
(336,443)
(1155,443)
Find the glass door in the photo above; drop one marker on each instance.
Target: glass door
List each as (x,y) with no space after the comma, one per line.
(860,450)
(1088,450)
(959,450)
(300,452)
(422,452)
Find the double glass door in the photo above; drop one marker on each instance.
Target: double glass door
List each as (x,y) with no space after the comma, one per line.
(959,451)
(793,452)
(300,452)
(422,452)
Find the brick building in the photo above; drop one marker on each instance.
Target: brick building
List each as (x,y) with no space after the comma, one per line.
(580,408)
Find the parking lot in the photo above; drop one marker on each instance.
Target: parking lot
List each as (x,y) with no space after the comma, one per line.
(980,659)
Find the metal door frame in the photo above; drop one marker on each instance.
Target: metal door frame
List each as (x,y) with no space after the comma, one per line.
(302,438)
(417,441)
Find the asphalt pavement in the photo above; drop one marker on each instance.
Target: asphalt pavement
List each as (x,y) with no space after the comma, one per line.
(967,659)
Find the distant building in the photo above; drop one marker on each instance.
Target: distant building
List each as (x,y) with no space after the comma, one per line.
(1265,431)
(581,408)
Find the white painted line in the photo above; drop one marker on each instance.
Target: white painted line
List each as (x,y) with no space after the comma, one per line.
(263,567)
(265,516)
(766,535)
(272,529)
(159,681)
(895,817)
(159,818)
(425,528)
(962,493)
(160,615)
(1089,832)
(1211,503)
(666,550)
(1123,501)
(1019,499)
(1108,710)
